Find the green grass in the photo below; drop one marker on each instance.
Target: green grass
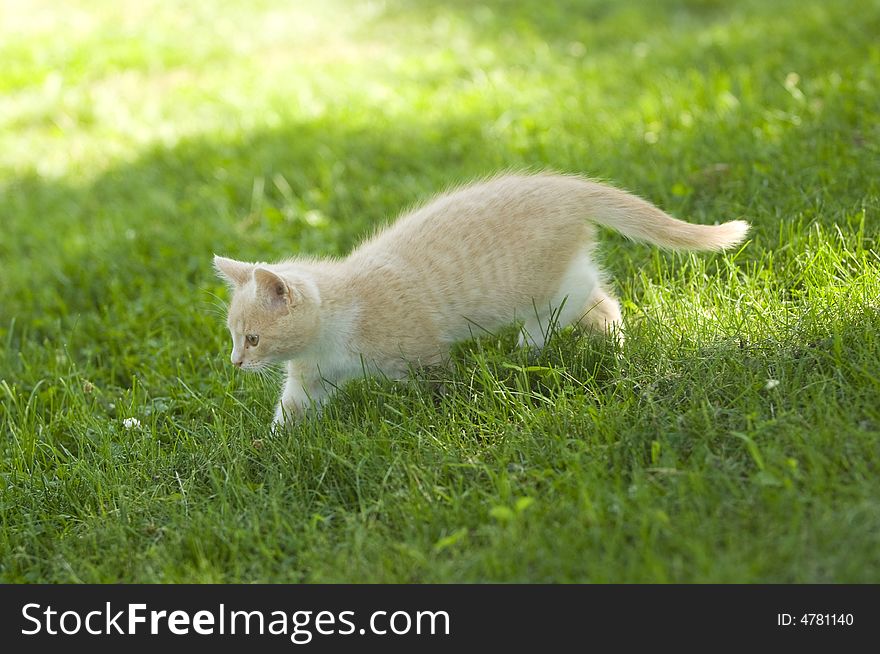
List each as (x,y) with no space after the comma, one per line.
(137,139)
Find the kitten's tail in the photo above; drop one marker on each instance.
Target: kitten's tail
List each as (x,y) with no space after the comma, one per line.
(640,220)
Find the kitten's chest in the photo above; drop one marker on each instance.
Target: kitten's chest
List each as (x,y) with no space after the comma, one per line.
(333,365)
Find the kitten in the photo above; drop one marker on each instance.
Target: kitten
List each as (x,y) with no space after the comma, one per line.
(514,248)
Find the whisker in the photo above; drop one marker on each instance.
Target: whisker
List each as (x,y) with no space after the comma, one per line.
(214,303)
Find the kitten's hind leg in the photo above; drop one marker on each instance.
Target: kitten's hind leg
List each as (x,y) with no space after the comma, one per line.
(534,331)
(601,315)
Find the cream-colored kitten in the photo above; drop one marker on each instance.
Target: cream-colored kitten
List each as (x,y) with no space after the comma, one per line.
(514,248)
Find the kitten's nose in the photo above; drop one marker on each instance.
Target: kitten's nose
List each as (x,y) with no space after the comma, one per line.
(237,360)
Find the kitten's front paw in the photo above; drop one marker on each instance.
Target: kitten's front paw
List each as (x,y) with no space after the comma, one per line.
(284,418)
(277,426)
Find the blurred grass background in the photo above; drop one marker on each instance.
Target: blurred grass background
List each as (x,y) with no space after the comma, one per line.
(137,139)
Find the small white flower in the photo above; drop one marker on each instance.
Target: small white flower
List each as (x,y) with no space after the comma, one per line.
(771,384)
(131,423)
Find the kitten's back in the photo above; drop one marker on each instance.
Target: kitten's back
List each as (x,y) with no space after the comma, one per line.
(483,249)
(507,242)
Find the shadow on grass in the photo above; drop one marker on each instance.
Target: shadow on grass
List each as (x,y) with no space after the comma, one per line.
(728,34)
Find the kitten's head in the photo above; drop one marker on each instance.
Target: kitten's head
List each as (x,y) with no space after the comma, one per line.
(271,317)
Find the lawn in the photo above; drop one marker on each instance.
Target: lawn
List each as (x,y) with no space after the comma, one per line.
(735,437)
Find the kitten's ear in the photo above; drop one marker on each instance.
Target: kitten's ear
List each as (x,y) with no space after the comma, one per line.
(234,272)
(274,289)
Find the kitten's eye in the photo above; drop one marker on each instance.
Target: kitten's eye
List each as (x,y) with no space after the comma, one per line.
(252,339)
